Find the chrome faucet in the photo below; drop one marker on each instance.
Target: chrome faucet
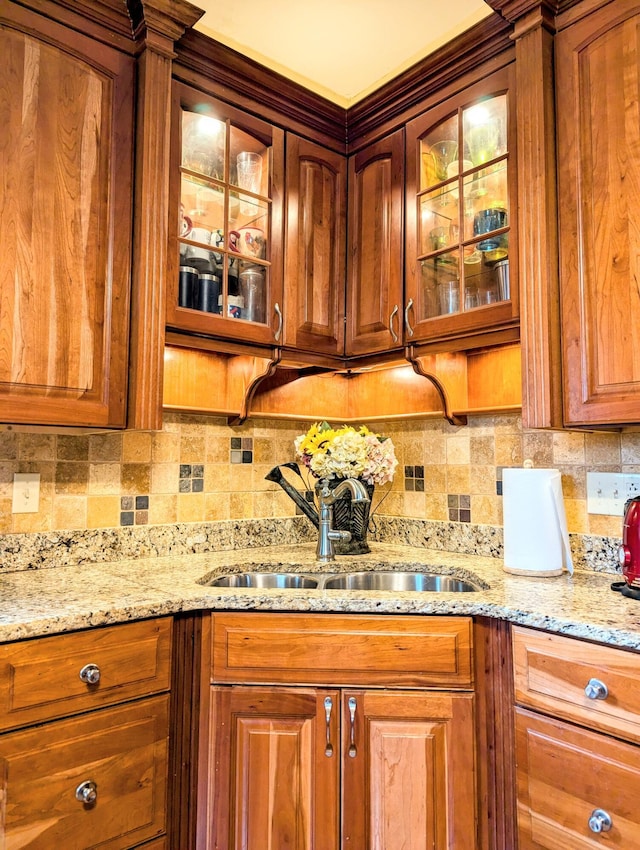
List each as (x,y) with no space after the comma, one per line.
(326,497)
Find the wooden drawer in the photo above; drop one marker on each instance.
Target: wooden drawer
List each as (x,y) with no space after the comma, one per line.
(40,678)
(551,673)
(123,750)
(342,650)
(565,773)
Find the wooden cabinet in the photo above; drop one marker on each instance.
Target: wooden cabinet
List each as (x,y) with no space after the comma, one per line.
(84,749)
(225,254)
(460,274)
(315,256)
(370,717)
(577,783)
(375,247)
(65,223)
(597,82)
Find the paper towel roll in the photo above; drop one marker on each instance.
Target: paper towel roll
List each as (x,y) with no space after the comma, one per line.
(536,541)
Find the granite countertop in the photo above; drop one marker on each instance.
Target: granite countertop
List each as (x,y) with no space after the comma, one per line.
(61,599)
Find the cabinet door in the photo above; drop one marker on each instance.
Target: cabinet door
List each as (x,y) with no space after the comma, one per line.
(409,771)
(598,85)
(315,248)
(275,769)
(566,777)
(117,756)
(375,247)
(460,229)
(225,270)
(65,224)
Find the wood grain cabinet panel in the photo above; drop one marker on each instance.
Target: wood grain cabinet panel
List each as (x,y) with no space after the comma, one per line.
(409,771)
(315,248)
(122,751)
(597,91)
(553,672)
(329,750)
(566,776)
(65,224)
(330,649)
(375,247)
(273,784)
(41,679)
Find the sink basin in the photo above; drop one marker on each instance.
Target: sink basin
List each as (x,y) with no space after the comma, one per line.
(264,580)
(398,581)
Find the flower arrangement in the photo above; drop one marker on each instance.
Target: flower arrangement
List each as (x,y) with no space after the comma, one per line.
(347,452)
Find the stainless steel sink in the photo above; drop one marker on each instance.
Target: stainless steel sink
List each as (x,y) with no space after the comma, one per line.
(264,580)
(392,580)
(398,581)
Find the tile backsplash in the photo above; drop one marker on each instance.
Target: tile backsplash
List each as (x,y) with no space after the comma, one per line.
(200,469)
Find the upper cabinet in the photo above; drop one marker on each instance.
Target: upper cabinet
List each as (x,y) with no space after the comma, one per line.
(225,254)
(65,223)
(597,92)
(375,255)
(460,274)
(315,253)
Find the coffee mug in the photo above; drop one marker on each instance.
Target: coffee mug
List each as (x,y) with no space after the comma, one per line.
(199,234)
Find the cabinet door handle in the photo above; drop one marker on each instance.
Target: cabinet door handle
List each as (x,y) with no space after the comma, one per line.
(278,330)
(600,821)
(394,313)
(352,727)
(87,792)
(406,317)
(90,674)
(328,705)
(596,689)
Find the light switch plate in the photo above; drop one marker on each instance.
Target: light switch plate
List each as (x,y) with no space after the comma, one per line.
(26,493)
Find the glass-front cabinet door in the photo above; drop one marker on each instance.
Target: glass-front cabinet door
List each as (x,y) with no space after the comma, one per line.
(226,251)
(460,224)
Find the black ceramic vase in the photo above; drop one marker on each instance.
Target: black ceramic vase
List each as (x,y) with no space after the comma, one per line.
(352,516)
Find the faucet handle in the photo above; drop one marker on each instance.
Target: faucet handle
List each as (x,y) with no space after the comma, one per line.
(336,534)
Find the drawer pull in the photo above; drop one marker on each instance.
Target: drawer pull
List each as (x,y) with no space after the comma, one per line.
(600,821)
(596,690)
(87,792)
(90,674)
(328,705)
(352,727)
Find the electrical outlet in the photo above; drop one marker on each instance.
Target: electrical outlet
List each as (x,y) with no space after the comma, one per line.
(26,493)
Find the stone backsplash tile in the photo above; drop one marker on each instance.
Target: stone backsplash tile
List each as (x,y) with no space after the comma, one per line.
(84,477)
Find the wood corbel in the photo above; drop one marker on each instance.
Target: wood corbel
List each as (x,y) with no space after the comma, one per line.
(414,360)
(254,381)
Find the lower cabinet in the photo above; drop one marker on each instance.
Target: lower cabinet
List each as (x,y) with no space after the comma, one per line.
(327,764)
(84,758)
(578,783)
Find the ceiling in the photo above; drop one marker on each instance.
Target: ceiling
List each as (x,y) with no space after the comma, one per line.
(341,49)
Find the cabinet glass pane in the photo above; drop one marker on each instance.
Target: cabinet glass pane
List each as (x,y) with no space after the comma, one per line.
(485,194)
(439,153)
(439,222)
(203,144)
(440,286)
(463,216)
(484,129)
(224,219)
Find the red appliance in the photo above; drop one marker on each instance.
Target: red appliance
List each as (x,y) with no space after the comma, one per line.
(629,551)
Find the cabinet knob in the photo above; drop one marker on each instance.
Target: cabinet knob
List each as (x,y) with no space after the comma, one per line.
(596,689)
(600,821)
(87,792)
(406,317)
(90,674)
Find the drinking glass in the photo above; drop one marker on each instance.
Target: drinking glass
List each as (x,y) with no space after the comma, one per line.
(249,165)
